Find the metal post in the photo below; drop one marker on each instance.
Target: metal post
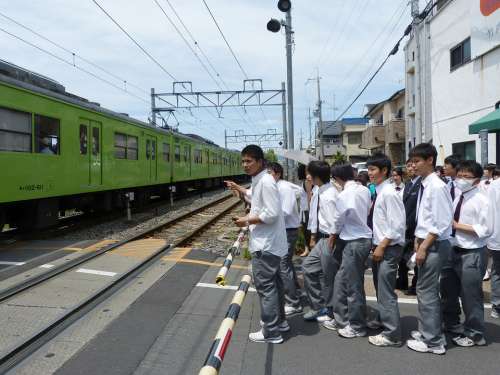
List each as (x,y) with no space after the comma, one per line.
(225,138)
(285,132)
(320,121)
(289,78)
(483,136)
(153,106)
(129,211)
(310,129)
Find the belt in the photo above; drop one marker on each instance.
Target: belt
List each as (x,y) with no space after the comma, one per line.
(320,235)
(291,229)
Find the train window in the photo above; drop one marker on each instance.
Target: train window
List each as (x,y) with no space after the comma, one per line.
(15,130)
(132,148)
(126,147)
(177,154)
(153,150)
(166,152)
(197,157)
(83,140)
(95,142)
(186,153)
(148,149)
(47,135)
(214,159)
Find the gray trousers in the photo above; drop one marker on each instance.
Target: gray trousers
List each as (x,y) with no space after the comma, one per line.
(495,279)
(429,302)
(464,279)
(287,270)
(349,299)
(320,268)
(267,281)
(384,277)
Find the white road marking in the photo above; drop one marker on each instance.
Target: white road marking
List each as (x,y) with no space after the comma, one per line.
(96,272)
(13,263)
(225,287)
(47,266)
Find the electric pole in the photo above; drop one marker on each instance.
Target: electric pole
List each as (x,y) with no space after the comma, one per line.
(320,120)
(310,129)
(289,77)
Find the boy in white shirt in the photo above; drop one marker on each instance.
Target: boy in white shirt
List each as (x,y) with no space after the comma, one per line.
(494,242)
(432,248)
(468,259)
(388,219)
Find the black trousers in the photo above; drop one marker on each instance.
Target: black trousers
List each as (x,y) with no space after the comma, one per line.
(402,280)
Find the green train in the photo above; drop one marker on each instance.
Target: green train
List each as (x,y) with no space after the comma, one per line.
(60,152)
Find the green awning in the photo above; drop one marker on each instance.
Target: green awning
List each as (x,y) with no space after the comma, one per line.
(490,122)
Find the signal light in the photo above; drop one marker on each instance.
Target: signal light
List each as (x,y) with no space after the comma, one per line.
(284,5)
(274,25)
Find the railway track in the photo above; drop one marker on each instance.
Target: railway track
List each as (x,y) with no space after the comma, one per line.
(155,242)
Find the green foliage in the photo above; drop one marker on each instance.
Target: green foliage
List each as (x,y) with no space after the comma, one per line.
(246,254)
(270,156)
(339,158)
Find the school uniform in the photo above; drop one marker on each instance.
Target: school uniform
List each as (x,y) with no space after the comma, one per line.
(494,243)
(434,215)
(268,244)
(304,213)
(350,223)
(321,265)
(388,223)
(399,189)
(313,211)
(288,195)
(467,262)
(453,189)
(485,184)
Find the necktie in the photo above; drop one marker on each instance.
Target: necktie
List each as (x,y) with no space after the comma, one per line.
(370,215)
(452,191)
(487,182)
(398,188)
(456,217)
(420,195)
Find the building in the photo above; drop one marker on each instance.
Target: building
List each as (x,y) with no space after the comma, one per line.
(352,131)
(332,139)
(455,79)
(386,128)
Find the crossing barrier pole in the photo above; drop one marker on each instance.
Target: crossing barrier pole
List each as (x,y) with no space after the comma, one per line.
(234,250)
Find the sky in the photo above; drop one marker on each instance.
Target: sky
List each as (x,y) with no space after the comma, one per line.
(342,40)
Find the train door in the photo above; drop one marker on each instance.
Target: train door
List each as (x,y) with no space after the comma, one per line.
(90,150)
(151,158)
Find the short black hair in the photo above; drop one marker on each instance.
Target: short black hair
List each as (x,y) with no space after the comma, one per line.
(362,178)
(453,160)
(496,172)
(439,169)
(472,167)
(380,161)
(490,167)
(319,169)
(398,171)
(254,151)
(425,151)
(345,172)
(301,172)
(276,168)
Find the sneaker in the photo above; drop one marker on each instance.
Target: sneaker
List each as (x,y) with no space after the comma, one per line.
(311,315)
(259,337)
(416,335)
(330,324)
(421,347)
(462,341)
(282,327)
(324,315)
(374,324)
(487,275)
(495,314)
(292,310)
(349,333)
(381,340)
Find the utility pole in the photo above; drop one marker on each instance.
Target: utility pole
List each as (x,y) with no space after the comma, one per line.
(225,139)
(300,144)
(320,120)
(310,129)
(289,77)
(285,133)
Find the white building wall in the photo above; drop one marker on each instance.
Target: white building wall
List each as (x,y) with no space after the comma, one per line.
(466,94)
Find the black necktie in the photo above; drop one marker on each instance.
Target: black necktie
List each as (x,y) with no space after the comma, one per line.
(456,217)
(398,188)
(421,194)
(452,191)
(370,215)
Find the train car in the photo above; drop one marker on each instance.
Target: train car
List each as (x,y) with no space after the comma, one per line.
(59,152)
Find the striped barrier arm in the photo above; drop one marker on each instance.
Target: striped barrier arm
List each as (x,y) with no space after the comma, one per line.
(216,354)
(234,250)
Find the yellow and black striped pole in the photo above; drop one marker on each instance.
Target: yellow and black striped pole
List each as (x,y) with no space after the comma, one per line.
(234,250)
(213,362)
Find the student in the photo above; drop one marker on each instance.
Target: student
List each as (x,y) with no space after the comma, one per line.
(468,259)
(494,242)
(397,181)
(305,197)
(432,248)
(387,217)
(267,243)
(288,195)
(350,225)
(450,171)
(489,169)
(321,265)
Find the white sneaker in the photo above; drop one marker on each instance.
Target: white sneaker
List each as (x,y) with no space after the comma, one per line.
(381,340)
(487,275)
(331,325)
(421,347)
(291,310)
(349,333)
(259,337)
(416,335)
(466,342)
(495,314)
(323,318)
(282,327)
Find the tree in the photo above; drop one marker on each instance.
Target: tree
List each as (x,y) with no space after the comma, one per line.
(339,158)
(270,156)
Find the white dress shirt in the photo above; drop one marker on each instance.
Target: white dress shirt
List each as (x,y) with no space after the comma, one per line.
(313,211)
(351,214)
(485,184)
(289,195)
(474,212)
(434,209)
(389,216)
(451,184)
(401,189)
(270,235)
(328,195)
(494,215)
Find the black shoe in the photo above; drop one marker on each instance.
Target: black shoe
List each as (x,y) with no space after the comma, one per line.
(411,292)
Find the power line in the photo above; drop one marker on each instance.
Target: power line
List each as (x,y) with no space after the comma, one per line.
(225,40)
(135,42)
(70,63)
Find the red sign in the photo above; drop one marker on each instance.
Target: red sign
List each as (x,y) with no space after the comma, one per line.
(489,7)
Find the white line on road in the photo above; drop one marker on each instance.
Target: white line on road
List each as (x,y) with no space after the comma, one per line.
(47,266)
(13,263)
(96,272)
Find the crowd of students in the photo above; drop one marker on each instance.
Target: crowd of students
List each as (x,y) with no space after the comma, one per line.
(442,224)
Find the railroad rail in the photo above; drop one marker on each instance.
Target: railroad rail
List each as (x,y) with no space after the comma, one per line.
(177,231)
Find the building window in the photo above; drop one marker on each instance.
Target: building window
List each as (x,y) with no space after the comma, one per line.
(166,152)
(126,147)
(15,131)
(47,135)
(466,150)
(401,114)
(354,138)
(460,54)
